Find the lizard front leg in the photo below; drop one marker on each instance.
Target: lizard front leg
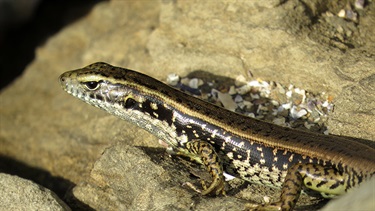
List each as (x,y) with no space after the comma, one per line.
(207,154)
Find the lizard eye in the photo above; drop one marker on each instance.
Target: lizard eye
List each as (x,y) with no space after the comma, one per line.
(92,85)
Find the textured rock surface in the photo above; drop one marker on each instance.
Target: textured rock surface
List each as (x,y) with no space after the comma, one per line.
(21,194)
(145,185)
(44,128)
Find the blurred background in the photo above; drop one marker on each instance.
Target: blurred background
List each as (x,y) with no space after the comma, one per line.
(27,24)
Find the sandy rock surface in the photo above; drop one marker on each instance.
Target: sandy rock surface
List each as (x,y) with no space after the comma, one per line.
(21,194)
(97,161)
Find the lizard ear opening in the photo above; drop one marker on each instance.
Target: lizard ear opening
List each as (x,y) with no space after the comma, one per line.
(129,103)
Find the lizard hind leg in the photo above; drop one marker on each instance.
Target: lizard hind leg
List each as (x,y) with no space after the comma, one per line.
(325,180)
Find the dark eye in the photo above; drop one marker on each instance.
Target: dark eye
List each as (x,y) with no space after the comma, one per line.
(92,85)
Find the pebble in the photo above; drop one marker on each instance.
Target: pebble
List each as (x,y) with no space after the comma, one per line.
(240,80)
(173,79)
(285,105)
(195,83)
(227,101)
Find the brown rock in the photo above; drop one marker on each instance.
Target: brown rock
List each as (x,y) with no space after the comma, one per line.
(43,127)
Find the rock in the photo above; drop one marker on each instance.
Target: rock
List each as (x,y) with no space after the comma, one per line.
(124,178)
(45,128)
(21,194)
